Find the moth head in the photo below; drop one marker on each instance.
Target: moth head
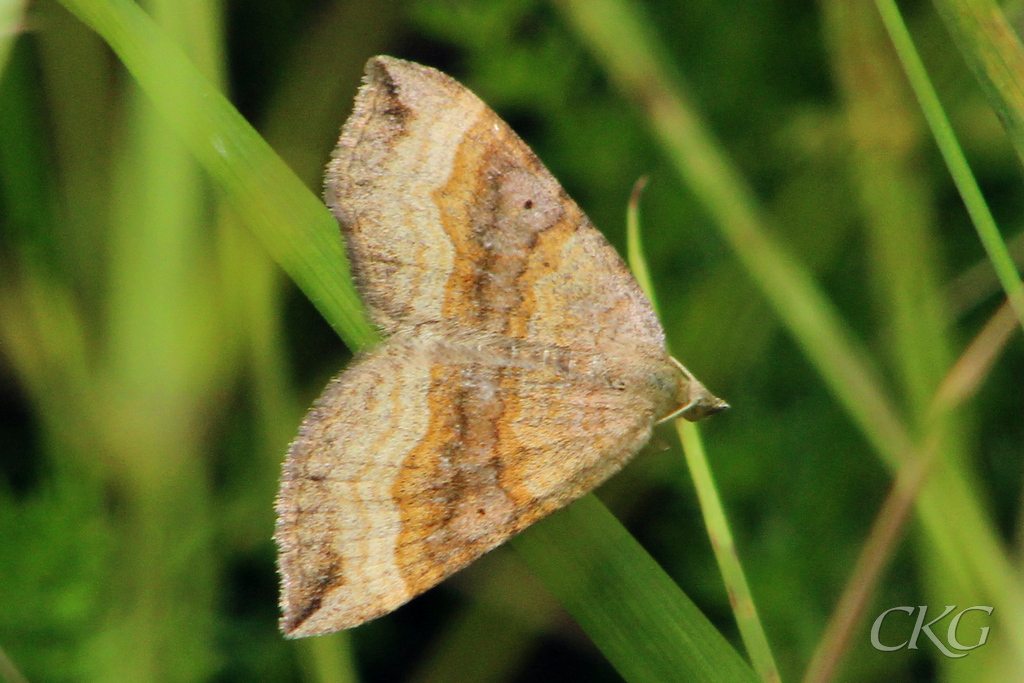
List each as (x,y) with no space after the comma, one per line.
(693,398)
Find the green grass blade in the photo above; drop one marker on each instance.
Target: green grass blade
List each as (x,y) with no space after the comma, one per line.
(646,627)
(292,224)
(740,598)
(985,57)
(992,50)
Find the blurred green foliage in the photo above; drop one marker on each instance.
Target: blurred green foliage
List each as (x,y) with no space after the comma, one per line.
(154,364)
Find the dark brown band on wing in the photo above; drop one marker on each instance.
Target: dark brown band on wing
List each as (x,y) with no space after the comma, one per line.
(507,219)
(451,502)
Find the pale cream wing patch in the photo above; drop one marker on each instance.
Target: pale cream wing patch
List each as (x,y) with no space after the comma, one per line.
(337,517)
(395,150)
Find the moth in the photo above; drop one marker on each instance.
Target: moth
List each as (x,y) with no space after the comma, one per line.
(522,365)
